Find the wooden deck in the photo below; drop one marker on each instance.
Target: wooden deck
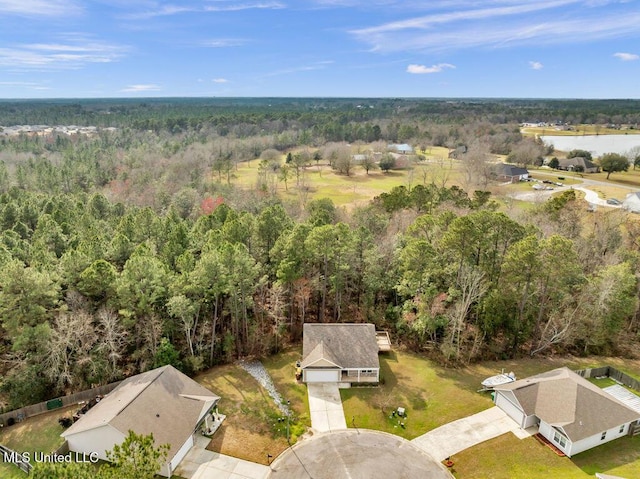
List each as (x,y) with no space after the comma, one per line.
(384,341)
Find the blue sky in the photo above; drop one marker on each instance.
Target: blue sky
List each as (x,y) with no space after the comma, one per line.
(362,48)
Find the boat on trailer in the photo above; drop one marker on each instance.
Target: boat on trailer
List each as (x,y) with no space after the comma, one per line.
(498,380)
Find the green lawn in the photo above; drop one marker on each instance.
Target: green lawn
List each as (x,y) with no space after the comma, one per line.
(282,369)
(507,457)
(431,395)
(38,433)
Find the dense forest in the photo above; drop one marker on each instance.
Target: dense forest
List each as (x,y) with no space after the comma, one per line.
(132,248)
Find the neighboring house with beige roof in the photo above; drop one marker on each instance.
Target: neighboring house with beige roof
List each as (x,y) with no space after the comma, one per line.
(163,402)
(578,163)
(342,353)
(572,413)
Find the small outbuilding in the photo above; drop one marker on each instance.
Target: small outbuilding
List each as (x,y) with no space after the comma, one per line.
(569,411)
(163,402)
(340,353)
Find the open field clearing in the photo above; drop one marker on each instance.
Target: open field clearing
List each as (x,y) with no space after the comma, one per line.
(577,130)
(320,181)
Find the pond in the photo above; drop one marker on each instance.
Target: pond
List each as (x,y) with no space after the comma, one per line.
(596,144)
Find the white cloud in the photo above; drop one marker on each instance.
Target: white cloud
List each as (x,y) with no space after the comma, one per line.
(75,53)
(141,88)
(506,23)
(626,57)
(321,65)
(39,8)
(224,42)
(168,9)
(536,65)
(422,69)
(220,80)
(244,6)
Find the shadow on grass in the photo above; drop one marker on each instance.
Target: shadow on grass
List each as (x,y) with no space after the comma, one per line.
(611,455)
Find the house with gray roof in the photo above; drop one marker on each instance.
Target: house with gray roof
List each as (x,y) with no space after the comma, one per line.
(511,173)
(163,402)
(578,163)
(569,411)
(341,353)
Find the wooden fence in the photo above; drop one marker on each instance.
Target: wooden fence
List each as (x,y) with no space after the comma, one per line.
(28,411)
(16,459)
(613,373)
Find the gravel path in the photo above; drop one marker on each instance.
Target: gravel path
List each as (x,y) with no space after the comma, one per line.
(257,370)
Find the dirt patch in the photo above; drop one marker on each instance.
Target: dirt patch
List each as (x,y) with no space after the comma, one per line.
(237,441)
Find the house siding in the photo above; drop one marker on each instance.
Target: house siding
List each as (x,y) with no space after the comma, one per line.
(508,405)
(186,447)
(98,440)
(548,431)
(595,440)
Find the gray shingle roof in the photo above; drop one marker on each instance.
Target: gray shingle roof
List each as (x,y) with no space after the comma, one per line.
(564,399)
(163,401)
(504,169)
(347,345)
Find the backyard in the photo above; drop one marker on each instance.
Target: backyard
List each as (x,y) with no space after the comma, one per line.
(35,434)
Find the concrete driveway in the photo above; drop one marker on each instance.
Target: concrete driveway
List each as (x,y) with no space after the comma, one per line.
(325,407)
(467,432)
(201,463)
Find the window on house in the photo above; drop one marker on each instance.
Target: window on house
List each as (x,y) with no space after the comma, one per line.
(559,439)
(604,435)
(621,429)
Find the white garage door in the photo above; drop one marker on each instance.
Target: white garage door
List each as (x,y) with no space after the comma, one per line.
(511,409)
(322,376)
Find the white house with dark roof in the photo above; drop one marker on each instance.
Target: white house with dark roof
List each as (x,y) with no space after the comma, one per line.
(341,353)
(163,402)
(632,202)
(511,173)
(572,413)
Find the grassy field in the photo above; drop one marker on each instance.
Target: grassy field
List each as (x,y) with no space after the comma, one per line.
(320,181)
(577,130)
(35,434)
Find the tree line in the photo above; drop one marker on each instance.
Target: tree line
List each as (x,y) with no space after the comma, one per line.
(91,290)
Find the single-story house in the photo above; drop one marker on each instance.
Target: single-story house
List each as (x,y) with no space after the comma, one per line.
(403,148)
(569,411)
(341,353)
(458,152)
(632,203)
(163,402)
(578,163)
(512,173)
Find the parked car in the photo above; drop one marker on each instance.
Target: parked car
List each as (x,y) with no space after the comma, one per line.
(538,187)
(613,201)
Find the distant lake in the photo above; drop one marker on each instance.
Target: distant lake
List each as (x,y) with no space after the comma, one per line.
(597,145)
